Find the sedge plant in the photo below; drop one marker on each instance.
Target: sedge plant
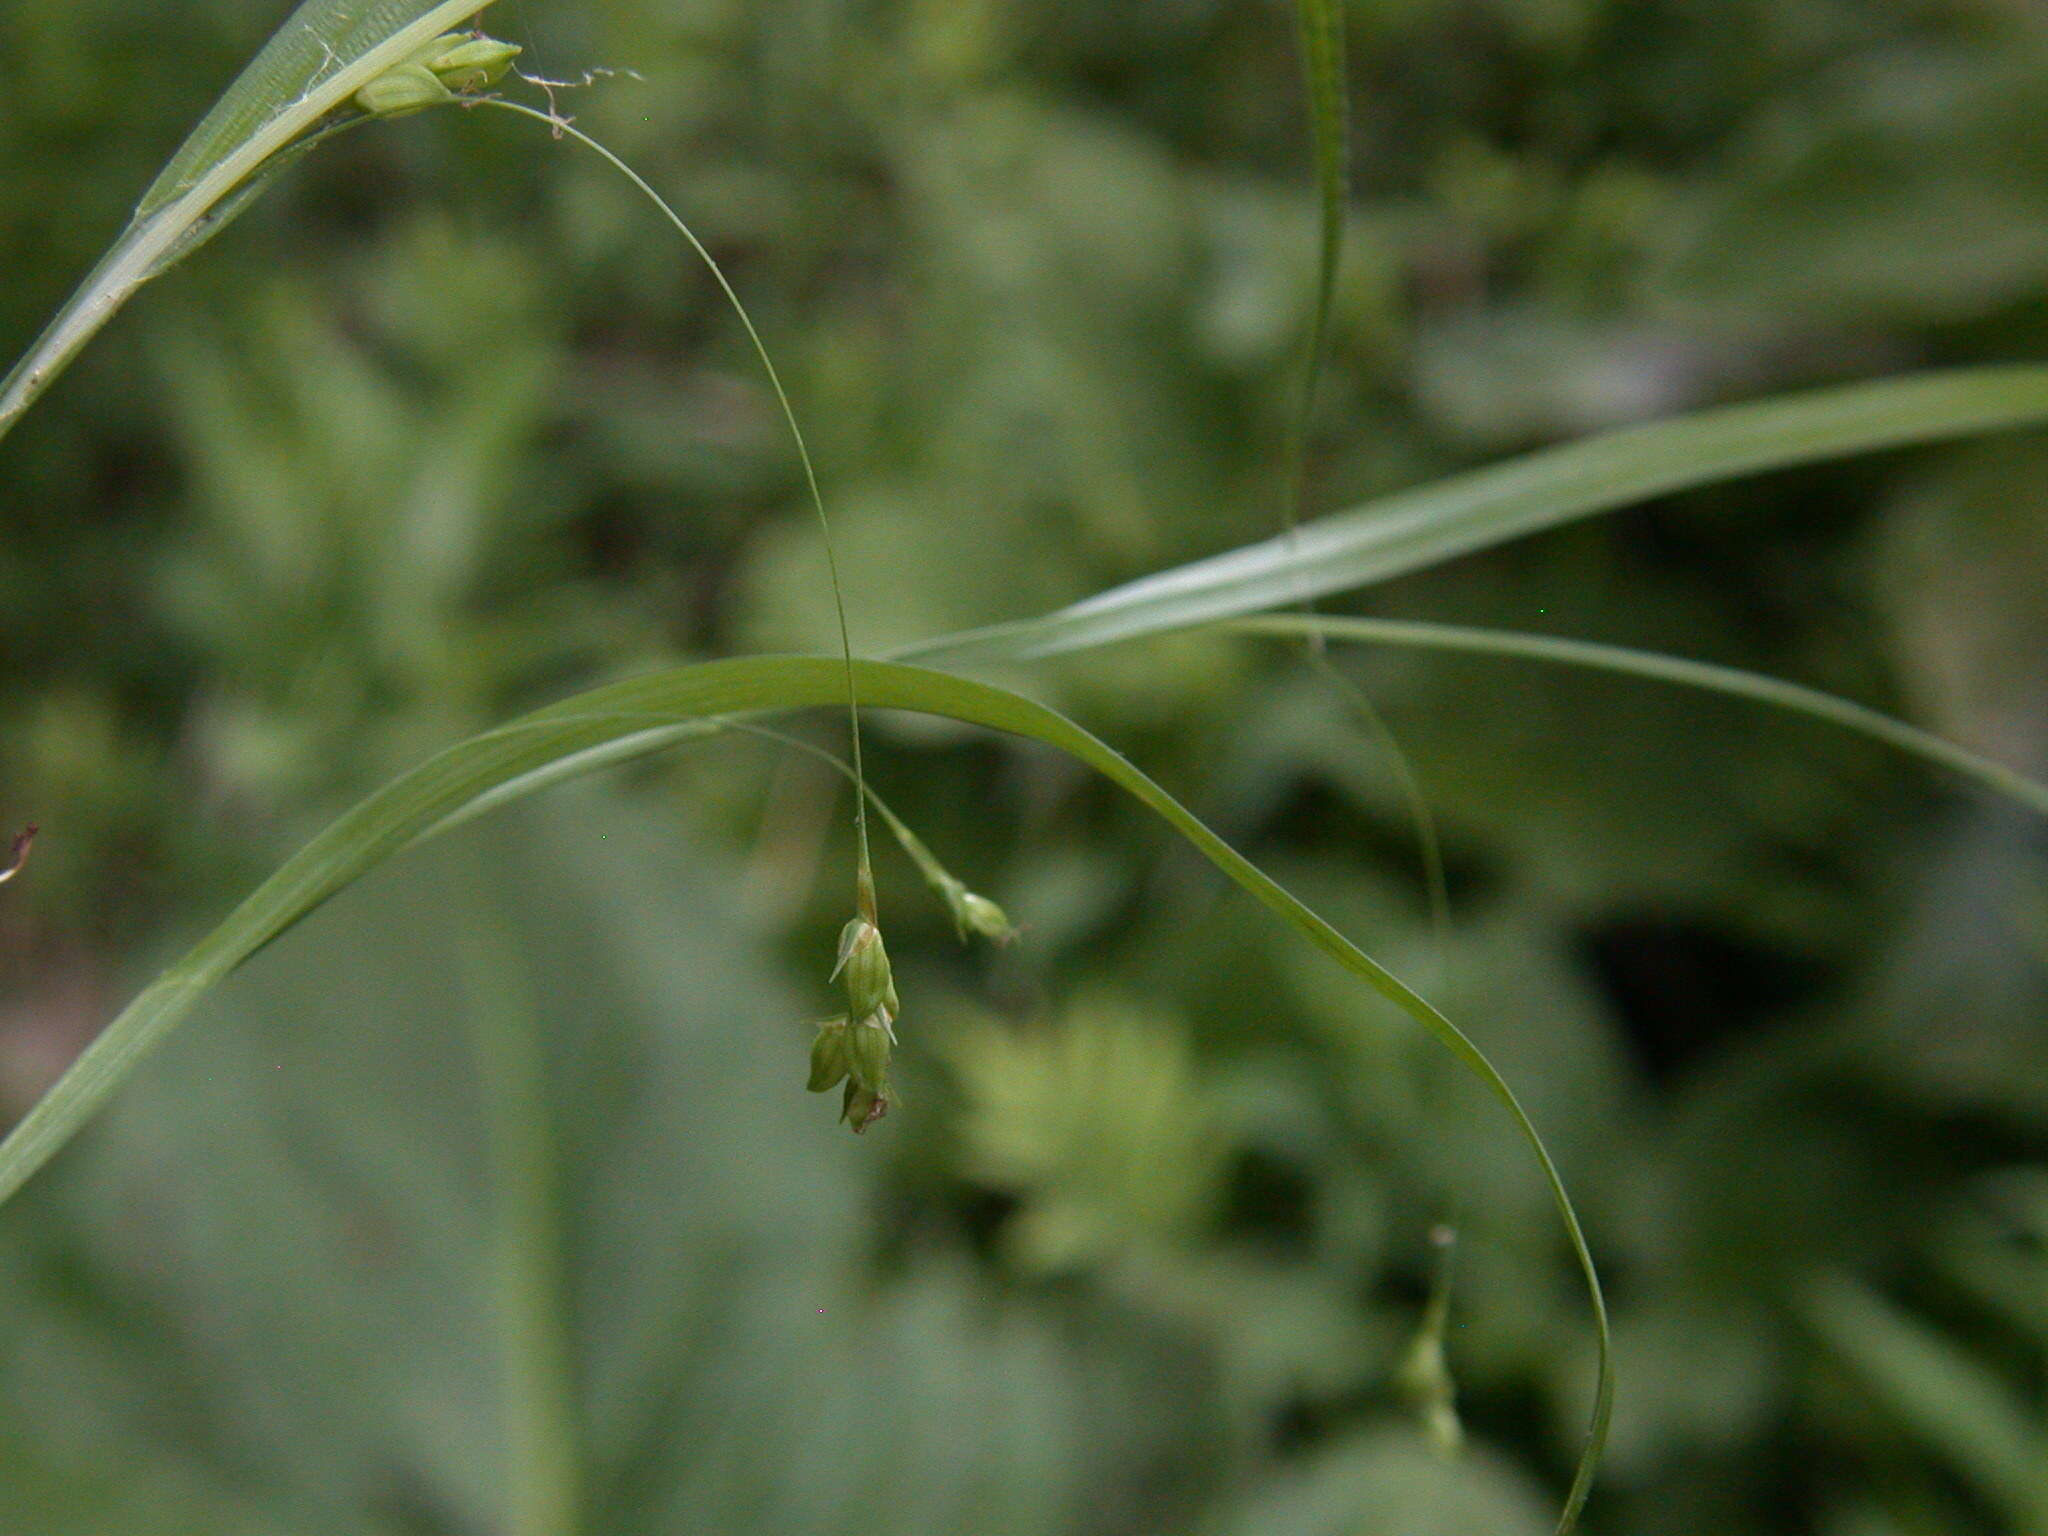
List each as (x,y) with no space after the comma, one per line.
(336,65)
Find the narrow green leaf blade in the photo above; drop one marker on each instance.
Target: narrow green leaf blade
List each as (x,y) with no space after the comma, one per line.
(1414,529)
(325,51)
(1628,662)
(643,711)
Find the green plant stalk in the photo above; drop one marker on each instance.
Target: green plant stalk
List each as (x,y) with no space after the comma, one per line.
(1429,843)
(865,874)
(660,731)
(1811,702)
(544,1460)
(431,794)
(914,847)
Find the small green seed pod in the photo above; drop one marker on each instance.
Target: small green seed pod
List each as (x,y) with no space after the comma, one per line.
(472,63)
(409,88)
(453,65)
(864,969)
(867,1052)
(977,914)
(829,1061)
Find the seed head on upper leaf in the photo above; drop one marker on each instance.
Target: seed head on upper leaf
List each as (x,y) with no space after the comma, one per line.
(452,66)
(466,64)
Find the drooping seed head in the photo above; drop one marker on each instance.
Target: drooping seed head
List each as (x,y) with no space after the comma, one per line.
(862,1041)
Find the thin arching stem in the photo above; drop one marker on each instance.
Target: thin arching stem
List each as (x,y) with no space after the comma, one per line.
(1429,841)
(560,126)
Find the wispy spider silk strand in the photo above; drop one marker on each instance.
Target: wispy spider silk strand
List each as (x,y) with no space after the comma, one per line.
(559,125)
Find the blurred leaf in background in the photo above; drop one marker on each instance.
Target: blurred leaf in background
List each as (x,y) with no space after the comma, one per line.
(293,1227)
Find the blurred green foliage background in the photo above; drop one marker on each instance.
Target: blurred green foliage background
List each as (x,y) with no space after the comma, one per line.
(450,424)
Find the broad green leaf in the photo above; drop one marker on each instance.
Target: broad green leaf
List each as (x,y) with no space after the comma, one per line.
(323,54)
(1414,529)
(489,1184)
(1667,669)
(645,710)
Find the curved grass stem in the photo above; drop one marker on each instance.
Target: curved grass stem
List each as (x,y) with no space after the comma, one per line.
(1428,839)
(913,846)
(561,126)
